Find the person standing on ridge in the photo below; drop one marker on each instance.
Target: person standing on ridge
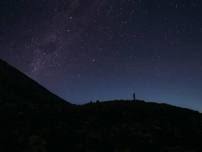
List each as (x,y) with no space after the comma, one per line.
(134,97)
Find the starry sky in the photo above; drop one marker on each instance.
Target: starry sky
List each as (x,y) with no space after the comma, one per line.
(86,50)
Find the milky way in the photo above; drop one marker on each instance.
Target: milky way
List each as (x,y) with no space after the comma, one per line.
(107,49)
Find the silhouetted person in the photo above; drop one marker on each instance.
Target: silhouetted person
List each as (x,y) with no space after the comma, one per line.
(134,97)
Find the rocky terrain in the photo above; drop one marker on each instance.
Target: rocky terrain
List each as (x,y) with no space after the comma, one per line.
(34,120)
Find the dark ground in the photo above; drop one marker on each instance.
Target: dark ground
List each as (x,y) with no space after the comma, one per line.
(34,120)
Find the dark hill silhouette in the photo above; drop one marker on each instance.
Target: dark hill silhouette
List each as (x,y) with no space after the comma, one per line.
(34,120)
(14,85)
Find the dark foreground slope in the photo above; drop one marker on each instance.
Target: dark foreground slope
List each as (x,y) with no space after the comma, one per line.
(15,87)
(34,120)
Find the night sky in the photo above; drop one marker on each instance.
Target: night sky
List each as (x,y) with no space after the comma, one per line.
(86,50)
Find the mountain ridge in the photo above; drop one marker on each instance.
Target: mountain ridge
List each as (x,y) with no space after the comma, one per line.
(35,120)
(17,82)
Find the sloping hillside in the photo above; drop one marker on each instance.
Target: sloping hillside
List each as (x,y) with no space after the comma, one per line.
(34,120)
